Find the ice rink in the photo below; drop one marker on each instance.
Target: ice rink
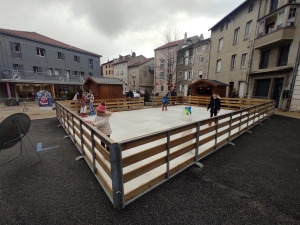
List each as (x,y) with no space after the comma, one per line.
(130,124)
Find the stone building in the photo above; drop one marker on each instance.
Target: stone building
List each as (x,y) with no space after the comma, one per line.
(108,69)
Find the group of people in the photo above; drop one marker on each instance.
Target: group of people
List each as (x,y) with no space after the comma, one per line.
(214,105)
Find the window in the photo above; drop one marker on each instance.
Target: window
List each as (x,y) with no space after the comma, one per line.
(218,65)
(106,72)
(40,52)
(75,73)
(203,47)
(81,73)
(186,61)
(90,74)
(280,19)
(273,5)
(236,36)
(56,72)
(162,63)
(76,58)
(161,88)
(16,67)
(180,74)
(185,75)
(170,62)
(181,61)
(292,17)
(283,55)
(250,8)
(233,60)
(15,50)
(201,58)
(117,73)
(191,61)
(264,59)
(229,22)
(197,50)
(90,63)
(220,44)
(121,73)
(170,50)
(50,71)
(248,30)
(187,53)
(61,56)
(200,73)
(37,69)
(162,75)
(261,28)
(68,73)
(270,27)
(190,75)
(222,28)
(243,62)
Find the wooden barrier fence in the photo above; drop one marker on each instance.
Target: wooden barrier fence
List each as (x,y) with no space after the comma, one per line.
(133,167)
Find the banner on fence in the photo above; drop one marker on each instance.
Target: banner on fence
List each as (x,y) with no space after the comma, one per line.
(44,100)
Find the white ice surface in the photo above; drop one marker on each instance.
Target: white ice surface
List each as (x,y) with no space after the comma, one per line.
(130,124)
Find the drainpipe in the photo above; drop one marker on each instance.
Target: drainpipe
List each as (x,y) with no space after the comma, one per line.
(251,50)
(294,75)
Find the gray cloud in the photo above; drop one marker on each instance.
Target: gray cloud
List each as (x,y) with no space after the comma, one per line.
(113,27)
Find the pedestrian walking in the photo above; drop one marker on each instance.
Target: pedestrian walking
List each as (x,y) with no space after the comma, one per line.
(214,106)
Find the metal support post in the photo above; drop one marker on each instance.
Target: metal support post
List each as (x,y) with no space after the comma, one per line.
(168,154)
(117,175)
(229,132)
(93,151)
(216,135)
(81,138)
(197,142)
(240,123)
(73,129)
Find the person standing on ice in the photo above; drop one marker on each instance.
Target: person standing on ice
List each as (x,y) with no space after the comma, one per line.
(91,103)
(214,106)
(82,102)
(101,122)
(165,103)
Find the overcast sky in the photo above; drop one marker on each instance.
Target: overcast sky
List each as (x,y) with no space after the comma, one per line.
(113,27)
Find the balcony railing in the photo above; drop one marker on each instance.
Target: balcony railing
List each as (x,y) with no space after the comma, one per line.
(21,75)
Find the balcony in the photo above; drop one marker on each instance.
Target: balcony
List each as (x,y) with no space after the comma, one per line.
(276,37)
(40,77)
(276,28)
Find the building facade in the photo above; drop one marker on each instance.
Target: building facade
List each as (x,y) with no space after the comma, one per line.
(141,75)
(165,63)
(192,63)
(276,51)
(108,69)
(231,43)
(30,62)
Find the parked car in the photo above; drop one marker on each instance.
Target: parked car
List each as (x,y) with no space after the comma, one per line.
(135,95)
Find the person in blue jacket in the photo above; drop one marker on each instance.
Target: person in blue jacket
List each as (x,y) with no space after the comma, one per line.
(214,106)
(165,103)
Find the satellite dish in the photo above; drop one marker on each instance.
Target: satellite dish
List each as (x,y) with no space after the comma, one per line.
(61,79)
(12,130)
(81,80)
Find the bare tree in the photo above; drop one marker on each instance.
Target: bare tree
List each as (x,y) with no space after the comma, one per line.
(166,57)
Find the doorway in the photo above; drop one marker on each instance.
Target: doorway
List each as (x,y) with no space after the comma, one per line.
(277,91)
(231,85)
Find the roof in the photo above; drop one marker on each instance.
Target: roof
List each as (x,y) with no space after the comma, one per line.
(104,80)
(43,39)
(111,61)
(245,2)
(211,82)
(125,60)
(138,63)
(195,43)
(173,43)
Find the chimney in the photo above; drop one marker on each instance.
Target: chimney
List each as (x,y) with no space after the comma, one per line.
(185,37)
(133,54)
(201,37)
(120,57)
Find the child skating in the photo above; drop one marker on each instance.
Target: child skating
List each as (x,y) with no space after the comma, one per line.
(214,106)
(165,103)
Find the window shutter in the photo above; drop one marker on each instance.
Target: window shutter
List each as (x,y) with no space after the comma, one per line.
(180,88)
(185,75)
(192,74)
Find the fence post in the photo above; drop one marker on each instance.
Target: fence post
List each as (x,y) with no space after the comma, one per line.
(229,133)
(168,154)
(216,135)
(73,129)
(254,117)
(117,175)
(240,123)
(81,138)
(197,142)
(93,151)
